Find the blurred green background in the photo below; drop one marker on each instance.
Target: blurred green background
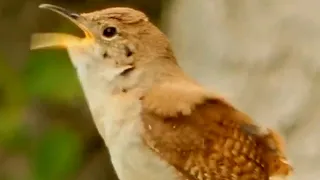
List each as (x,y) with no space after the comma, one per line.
(46,131)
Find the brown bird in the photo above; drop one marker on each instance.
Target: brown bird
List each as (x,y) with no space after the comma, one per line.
(158,123)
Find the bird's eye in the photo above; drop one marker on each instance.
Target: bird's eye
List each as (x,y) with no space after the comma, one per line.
(109,32)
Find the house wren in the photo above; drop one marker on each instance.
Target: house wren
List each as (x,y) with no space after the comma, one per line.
(157,122)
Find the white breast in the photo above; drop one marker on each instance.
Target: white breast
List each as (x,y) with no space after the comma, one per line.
(117,118)
(131,159)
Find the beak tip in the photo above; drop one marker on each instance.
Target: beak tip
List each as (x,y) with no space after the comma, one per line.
(59,10)
(43,6)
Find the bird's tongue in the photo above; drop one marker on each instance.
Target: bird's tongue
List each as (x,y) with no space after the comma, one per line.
(54,40)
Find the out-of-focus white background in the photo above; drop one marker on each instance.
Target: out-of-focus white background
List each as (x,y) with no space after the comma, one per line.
(262,55)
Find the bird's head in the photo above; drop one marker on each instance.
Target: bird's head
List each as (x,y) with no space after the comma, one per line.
(118,41)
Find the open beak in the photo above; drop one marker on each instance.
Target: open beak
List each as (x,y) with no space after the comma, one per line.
(48,40)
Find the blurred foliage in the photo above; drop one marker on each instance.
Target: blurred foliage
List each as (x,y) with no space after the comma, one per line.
(49,74)
(42,136)
(12,102)
(60,147)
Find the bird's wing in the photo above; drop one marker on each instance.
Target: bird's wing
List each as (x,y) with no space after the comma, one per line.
(207,138)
